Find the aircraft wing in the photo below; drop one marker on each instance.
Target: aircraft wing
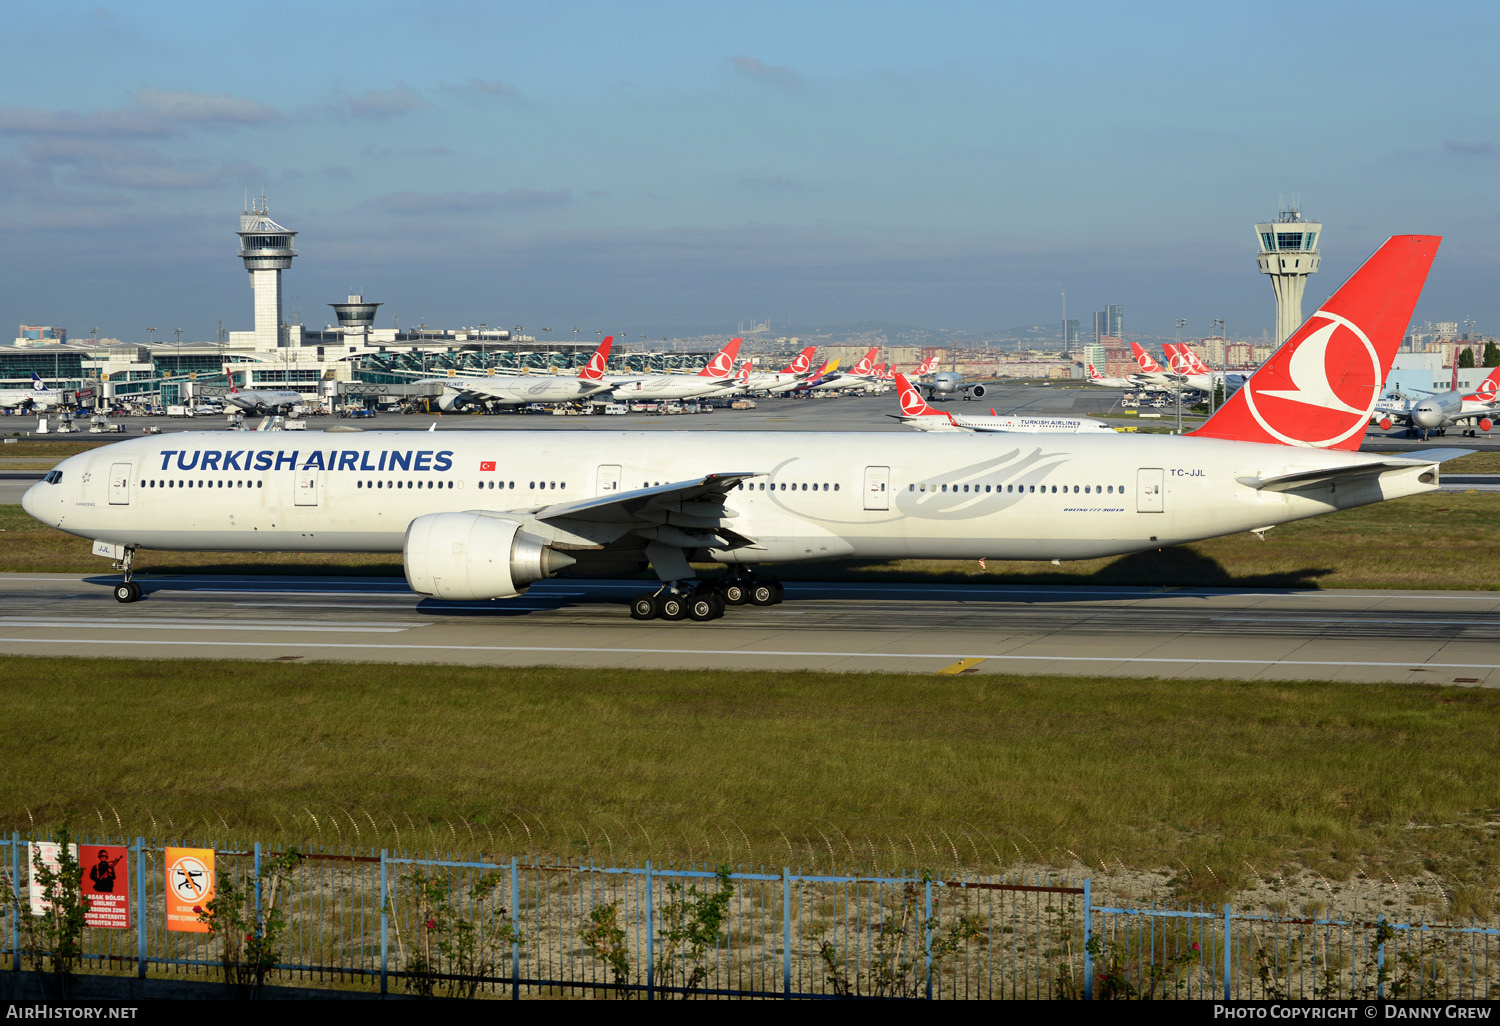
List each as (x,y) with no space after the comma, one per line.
(1473,415)
(1309,478)
(699,500)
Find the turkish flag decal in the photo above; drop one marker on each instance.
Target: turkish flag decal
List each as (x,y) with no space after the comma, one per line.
(486,465)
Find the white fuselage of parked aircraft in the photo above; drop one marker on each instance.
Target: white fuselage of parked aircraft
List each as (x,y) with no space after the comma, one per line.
(37,397)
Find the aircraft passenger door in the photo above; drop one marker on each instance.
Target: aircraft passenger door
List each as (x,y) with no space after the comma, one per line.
(305,491)
(877,488)
(119,484)
(1148,491)
(608,480)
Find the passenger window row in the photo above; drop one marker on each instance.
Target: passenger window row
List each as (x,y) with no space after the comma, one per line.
(783,486)
(194,483)
(403,484)
(1021,489)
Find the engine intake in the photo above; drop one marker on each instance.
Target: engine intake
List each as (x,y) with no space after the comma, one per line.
(978,391)
(474,556)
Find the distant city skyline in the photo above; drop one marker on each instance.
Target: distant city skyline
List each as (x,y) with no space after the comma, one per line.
(667,166)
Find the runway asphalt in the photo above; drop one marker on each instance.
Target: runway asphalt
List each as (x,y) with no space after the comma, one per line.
(1401,637)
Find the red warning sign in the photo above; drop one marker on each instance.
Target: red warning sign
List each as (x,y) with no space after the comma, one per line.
(106,885)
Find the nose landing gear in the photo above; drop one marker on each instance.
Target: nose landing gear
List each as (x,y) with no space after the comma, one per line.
(127,590)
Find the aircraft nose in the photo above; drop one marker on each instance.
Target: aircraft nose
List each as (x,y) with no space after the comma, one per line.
(1426,416)
(31,501)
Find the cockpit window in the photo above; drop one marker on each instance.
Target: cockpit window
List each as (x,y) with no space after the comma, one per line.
(53,477)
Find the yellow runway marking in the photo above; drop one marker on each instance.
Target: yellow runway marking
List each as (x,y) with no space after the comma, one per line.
(962,666)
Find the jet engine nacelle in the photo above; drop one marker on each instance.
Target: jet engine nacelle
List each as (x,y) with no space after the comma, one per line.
(473,556)
(1485,423)
(451,402)
(1385,423)
(977,391)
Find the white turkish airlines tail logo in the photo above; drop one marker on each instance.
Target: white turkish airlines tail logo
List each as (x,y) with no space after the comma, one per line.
(1181,364)
(911,399)
(800,364)
(1144,361)
(745,372)
(720,365)
(1308,369)
(1488,387)
(1198,366)
(863,366)
(1092,372)
(233,388)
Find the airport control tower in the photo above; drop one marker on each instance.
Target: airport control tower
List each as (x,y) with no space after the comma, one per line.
(1288,253)
(266,249)
(356,317)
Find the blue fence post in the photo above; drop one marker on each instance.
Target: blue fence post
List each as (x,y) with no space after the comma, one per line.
(650,941)
(927,938)
(140,908)
(1228,952)
(786,933)
(515,944)
(15,880)
(1380,958)
(258,920)
(385,921)
(1088,939)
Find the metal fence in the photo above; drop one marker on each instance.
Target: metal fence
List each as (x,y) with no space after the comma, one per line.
(512,928)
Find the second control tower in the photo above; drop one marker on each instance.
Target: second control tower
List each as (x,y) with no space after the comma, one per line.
(266,249)
(1288,253)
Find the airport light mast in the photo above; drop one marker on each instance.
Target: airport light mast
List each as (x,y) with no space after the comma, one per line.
(1288,253)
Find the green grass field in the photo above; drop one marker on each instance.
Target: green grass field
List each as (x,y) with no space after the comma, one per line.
(1222,779)
(1443,540)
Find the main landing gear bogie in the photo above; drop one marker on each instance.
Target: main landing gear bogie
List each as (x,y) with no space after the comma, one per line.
(705,602)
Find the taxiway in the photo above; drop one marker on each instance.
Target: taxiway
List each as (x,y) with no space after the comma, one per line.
(1367,636)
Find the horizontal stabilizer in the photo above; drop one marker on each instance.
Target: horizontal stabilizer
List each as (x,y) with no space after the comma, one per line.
(1309,478)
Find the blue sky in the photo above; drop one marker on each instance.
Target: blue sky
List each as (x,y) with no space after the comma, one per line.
(656,168)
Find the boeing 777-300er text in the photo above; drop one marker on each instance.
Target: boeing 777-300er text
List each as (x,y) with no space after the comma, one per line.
(916,413)
(483,514)
(521,389)
(258,400)
(37,397)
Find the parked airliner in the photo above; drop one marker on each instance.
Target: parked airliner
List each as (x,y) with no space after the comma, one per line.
(37,397)
(1471,412)
(483,514)
(650,387)
(916,413)
(258,400)
(519,389)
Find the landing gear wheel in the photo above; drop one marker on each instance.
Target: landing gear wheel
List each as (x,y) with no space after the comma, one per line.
(736,593)
(705,606)
(764,593)
(645,607)
(673,607)
(127,591)
(780,592)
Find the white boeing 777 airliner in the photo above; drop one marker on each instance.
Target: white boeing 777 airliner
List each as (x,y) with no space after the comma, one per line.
(482,514)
